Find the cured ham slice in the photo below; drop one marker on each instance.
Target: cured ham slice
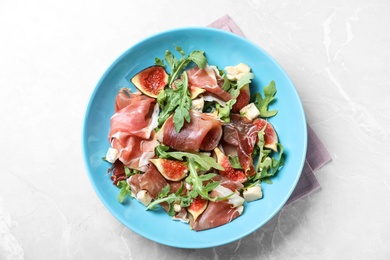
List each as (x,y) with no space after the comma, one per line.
(219,212)
(208,79)
(216,214)
(132,129)
(117,172)
(135,114)
(151,181)
(134,152)
(243,134)
(202,133)
(228,183)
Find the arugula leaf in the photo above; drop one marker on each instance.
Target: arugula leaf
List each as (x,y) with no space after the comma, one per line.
(197,182)
(270,166)
(267,166)
(159,62)
(204,161)
(124,190)
(196,161)
(199,58)
(171,199)
(129,172)
(262,104)
(227,84)
(177,66)
(168,100)
(235,162)
(246,79)
(182,111)
(175,101)
(224,111)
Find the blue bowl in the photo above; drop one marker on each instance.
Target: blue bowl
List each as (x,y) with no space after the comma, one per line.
(222,49)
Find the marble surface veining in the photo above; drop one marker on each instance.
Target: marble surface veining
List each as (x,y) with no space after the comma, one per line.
(52,53)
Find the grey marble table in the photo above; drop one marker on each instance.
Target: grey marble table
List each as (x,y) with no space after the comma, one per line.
(52,54)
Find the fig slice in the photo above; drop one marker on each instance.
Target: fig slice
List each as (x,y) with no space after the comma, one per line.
(151,81)
(197,207)
(229,172)
(242,99)
(170,169)
(270,136)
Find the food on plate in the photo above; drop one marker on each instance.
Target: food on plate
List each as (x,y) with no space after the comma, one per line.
(151,81)
(193,140)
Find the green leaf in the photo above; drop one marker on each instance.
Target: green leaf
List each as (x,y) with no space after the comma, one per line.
(195,181)
(227,84)
(224,111)
(263,103)
(207,177)
(129,172)
(268,166)
(171,60)
(235,162)
(170,199)
(159,62)
(177,101)
(124,190)
(206,162)
(180,50)
(210,186)
(178,118)
(199,58)
(164,191)
(182,111)
(246,79)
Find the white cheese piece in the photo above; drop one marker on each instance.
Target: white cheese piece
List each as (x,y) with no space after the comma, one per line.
(250,111)
(112,155)
(144,197)
(237,72)
(188,186)
(235,200)
(253,193)
(197,104)
(176,207)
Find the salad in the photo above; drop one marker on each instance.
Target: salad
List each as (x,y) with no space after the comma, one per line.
(192,140)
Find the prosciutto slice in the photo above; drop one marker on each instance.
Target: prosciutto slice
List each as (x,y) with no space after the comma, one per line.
(117,172)
(132,129)
(135,114)
(152,181)
(216,214)
(208,79)
(243,134)
(134,152)
(202,133)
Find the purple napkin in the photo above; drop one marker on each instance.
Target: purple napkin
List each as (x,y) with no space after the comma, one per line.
(316,155)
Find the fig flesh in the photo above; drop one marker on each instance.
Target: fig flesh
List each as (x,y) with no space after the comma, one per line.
(170,169)
(151,81)
(229,172)
(270,136)
(197,207)
(242,99)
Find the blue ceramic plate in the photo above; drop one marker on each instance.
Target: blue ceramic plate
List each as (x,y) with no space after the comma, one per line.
(222,49)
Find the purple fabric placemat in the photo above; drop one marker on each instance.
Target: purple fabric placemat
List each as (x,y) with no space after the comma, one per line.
(316,155)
